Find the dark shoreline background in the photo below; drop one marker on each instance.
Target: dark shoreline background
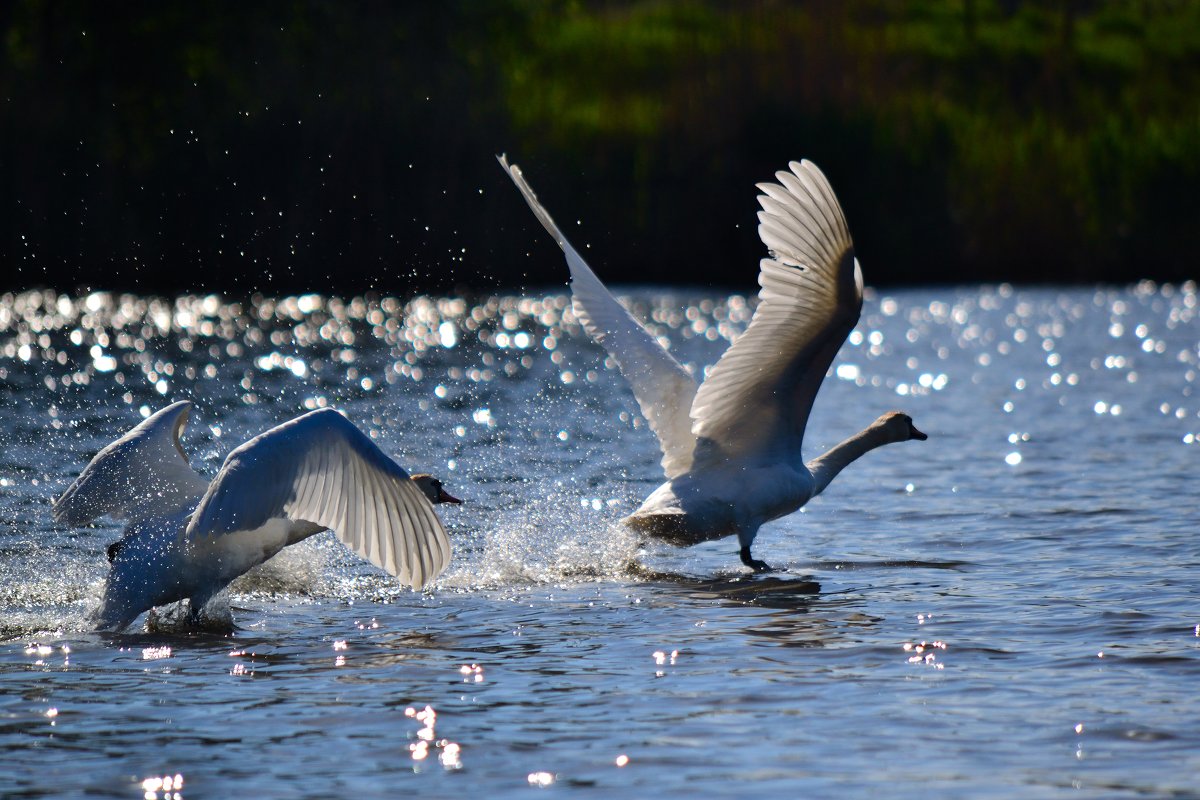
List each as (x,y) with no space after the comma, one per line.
(348,147)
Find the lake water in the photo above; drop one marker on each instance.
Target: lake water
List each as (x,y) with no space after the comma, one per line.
(1009,609)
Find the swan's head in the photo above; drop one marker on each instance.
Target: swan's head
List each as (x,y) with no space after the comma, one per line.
(432,488)
(897,426)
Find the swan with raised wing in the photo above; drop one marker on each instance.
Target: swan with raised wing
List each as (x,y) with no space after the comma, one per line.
(732,445)
(188,538)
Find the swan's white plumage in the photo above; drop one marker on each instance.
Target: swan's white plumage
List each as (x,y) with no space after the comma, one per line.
(662,387)
(188,538)
(732,446)
(320,468)
(756,400)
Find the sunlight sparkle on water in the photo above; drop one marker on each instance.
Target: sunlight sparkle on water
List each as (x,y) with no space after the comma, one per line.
(169,785)
(449,753)
(663,659)
(323,339)
(925,653)
(451,756)
(540,779)
(848,372)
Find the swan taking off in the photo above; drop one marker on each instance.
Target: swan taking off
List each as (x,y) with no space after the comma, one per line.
(188,538)
(731,445)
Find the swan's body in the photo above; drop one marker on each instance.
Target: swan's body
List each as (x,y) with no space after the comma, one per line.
(712,504)
(732,444)
(188,538)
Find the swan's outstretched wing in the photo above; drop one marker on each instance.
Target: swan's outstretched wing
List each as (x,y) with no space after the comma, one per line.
(662,387)
(143,474)
(320,468)
(756,400)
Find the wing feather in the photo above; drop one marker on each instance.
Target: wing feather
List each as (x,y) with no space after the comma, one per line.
(374,524)
(142,474)
(320,468)
(757,398)
(662,387)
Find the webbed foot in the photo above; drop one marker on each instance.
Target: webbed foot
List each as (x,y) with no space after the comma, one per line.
(753,563)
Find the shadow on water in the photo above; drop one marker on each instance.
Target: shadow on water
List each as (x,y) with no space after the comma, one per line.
(799,614)
(760,590)
(772,590)
(866,564)
(769,591)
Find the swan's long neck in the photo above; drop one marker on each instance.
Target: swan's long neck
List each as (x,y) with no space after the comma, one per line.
(825,467)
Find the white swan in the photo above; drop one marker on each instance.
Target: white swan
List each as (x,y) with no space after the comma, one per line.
(731,446)
(188,538)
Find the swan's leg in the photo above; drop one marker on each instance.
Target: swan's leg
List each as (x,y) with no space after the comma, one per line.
(753,563)
(196,604)
(746,532)
(114,550)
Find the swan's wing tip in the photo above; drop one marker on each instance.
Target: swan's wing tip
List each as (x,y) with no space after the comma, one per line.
(804,165)
(514,172)
(60,513)
(141,473)
(172,409)
(420,581)
(663,389)
(760,393)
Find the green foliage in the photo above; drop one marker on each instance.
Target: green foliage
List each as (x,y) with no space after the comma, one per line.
(1062,131)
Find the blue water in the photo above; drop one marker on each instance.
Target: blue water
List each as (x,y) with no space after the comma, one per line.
(1008,609)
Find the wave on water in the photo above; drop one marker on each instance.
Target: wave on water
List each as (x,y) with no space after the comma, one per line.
(43,591)
(545,540)
(551,539)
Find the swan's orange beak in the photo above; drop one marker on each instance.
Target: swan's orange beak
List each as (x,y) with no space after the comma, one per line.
(445,497)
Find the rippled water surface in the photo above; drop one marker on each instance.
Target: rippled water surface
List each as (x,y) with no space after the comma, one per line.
(1008,609)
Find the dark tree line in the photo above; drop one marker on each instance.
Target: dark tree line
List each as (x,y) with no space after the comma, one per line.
(339,146)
